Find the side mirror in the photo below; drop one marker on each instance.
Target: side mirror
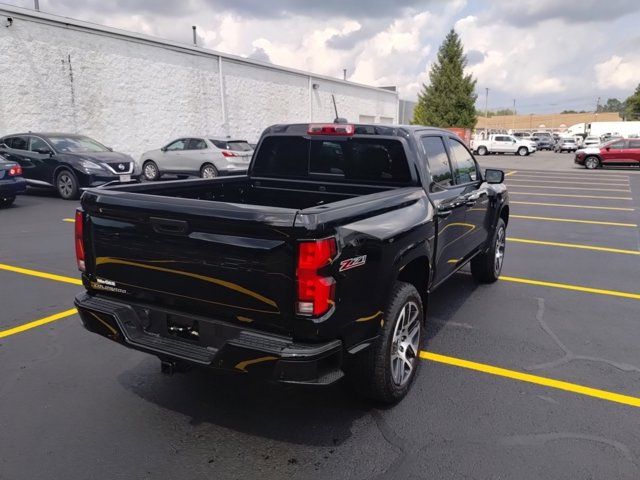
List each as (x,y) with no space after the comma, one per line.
(607,148)
(110,149)
(44,151)
(513,141)
(163,149)
(493,176)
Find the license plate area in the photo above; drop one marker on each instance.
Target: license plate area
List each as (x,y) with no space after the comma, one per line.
(183,328)
(125,178)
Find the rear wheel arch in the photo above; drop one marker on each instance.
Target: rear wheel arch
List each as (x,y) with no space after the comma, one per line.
(417,272)
(504,214)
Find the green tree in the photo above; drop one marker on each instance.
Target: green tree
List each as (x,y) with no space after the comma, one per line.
(632,106)
(612,105)
(449,99)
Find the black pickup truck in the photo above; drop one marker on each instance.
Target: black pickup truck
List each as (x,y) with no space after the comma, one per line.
(316,264)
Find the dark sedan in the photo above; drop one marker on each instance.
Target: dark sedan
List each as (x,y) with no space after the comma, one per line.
(544,143)
(11,181)
(66,162)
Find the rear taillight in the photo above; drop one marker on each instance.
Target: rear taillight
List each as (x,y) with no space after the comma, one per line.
(315,292)
(339,130)
(227,153)
(79,239)
(15,170)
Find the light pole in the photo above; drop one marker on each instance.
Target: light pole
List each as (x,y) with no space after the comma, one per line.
(486,103)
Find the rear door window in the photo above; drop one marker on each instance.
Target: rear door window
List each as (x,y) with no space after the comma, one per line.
(196,144)
(351,159)
(438,161)
(18,143)
(464,168)
(635,144)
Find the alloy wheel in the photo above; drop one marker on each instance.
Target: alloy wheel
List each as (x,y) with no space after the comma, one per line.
(405,343)
(65,185)
(500,246)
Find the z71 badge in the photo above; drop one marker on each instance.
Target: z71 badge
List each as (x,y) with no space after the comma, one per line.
(354,262)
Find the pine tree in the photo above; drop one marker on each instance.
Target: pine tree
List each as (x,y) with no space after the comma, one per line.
(632,108)
(449,99)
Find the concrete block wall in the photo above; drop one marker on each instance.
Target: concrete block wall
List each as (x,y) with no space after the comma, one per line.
(133,92)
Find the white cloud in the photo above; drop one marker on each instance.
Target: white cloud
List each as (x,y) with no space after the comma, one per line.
(619,73)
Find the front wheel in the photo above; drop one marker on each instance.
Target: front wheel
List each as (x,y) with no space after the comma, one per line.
(150,171)
(6,202)
(482,151)
(523,151)
(486,267)
(591,163)
(67,185)
(385,371)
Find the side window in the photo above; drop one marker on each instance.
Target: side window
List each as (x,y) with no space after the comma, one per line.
(613,146)
(465,170)
(634,144)
(8,141)
(177,145)
(38,144)
(196,144)
(220,144)
(19,143)
(438,161)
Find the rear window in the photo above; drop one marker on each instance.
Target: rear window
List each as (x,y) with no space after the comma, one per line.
(349,159)
(233,145)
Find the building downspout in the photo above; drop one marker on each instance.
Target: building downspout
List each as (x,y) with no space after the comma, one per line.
(223,107)
(310,99)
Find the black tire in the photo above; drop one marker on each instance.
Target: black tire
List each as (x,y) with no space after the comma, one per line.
(150,171)
(482,151)
(591,162)
(486,267)
(208,171)
(6,202)
(523,151)
(371,372)
(67,185)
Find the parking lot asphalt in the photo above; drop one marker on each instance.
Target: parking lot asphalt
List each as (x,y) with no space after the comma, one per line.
(536,376)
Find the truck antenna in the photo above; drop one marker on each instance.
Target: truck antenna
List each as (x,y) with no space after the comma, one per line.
(335,109)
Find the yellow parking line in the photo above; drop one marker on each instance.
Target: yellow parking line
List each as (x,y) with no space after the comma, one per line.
(575,288)
(575,188)
(564,182)
(571,220)
(573,177)
(37,323)
(574,245)
(567,195)
(512,172)
(535,379)
(589,207)
(36,273)
(70,220)
(578,174)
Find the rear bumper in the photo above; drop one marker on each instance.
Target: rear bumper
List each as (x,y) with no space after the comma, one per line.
(211,343)
(9,188)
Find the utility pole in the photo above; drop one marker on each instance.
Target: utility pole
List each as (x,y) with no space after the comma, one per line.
(486,103)
(344,73)
(597,107)
(514,114)
(195,39)
(36,5)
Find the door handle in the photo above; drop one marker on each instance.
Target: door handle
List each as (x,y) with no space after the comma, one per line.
(169,226)
(444,212)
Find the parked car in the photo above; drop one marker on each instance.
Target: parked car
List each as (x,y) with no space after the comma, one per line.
(504,144)
(565,145)
(317,263)
(66,162)
(591,142)
(11,181)
(205,157)
(622,152)
(544,142)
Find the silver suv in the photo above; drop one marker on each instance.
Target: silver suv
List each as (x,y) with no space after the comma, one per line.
(205,157)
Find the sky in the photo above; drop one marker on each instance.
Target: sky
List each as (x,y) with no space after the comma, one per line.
(548,55)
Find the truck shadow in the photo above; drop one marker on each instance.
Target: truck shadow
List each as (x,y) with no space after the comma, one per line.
(300,415)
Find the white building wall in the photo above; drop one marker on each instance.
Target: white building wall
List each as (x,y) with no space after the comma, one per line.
(134,92)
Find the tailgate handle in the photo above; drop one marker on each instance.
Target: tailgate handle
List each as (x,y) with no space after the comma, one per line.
(169,226)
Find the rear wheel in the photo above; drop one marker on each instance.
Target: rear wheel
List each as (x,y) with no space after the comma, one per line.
(386,370)
(208,171)
(6,202)
(482,150)
(150,170)
(591,163)
(523,151)
(486,267)
(67,185)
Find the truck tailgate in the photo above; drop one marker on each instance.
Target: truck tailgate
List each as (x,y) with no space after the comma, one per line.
(227,261)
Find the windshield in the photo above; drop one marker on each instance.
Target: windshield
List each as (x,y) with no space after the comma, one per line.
(77,144)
